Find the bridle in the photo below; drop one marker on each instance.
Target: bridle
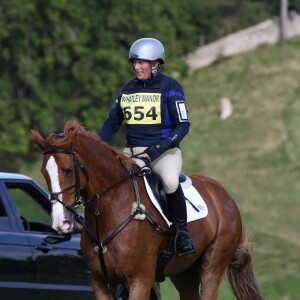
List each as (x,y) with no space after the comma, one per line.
(96,197)
(77,185)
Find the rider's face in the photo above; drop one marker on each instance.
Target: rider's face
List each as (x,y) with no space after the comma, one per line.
(142,69)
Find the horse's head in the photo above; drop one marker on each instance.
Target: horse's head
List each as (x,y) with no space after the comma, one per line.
(64,174)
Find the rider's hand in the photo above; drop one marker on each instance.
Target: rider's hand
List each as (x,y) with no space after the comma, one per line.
(153,152)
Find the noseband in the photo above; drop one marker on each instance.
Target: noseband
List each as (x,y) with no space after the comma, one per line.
(76,185)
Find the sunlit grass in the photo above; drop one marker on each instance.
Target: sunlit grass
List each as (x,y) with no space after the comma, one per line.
(255,154)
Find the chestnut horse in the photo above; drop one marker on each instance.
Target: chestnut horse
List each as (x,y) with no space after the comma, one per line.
(120,249)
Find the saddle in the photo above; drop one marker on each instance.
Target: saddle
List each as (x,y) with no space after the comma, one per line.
(196,209)
(156,186)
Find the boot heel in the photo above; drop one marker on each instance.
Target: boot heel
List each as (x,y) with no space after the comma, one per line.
(183,243)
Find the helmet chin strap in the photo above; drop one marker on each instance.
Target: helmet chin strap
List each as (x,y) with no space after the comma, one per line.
(154,68)
(154,72)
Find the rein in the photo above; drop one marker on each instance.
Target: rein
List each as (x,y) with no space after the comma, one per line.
(101,246)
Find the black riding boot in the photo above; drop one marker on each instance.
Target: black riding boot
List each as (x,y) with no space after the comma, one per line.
(183,243)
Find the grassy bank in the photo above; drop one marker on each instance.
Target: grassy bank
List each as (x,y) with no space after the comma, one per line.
(255,154)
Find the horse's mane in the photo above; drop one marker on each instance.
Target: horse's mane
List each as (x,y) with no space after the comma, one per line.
(73,129)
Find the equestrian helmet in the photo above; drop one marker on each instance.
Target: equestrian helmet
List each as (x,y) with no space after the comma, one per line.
(147,49)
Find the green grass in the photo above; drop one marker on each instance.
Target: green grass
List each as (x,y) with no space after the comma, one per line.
(28,208)
(255,154)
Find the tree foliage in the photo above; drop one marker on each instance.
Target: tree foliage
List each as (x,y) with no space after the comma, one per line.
(67,59)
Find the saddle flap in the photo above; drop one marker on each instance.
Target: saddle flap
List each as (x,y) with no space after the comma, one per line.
(196,207)
(154,181)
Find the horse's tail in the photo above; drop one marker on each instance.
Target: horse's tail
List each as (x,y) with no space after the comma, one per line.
(240,272)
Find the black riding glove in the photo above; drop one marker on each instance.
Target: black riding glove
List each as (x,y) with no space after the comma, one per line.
(155,151)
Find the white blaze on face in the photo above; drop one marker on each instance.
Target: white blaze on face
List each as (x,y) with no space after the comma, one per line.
(59,219)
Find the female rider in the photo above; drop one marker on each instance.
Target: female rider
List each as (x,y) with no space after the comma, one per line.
(154,109)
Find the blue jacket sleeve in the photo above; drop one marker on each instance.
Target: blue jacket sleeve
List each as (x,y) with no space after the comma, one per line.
(178,115)
(113,123)
(179,133)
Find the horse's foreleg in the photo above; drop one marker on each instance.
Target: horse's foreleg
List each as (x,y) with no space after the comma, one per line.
(101,292)
(139,290)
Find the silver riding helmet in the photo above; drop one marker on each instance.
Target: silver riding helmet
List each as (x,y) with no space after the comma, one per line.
(147,49)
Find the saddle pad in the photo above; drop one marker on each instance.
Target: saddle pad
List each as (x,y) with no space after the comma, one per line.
(191,194)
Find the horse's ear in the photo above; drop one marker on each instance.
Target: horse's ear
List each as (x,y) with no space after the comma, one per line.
(71,130)
(39,140)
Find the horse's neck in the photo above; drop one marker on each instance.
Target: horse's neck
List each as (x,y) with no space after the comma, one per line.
(104,168)
(109,186)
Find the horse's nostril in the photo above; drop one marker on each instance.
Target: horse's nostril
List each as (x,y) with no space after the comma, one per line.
(65,226)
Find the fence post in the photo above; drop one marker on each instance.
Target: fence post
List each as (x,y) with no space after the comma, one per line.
(283,20)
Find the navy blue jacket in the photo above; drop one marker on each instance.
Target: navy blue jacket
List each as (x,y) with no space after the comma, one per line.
(154,109)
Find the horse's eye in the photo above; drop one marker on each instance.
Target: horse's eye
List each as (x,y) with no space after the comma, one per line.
(69,172)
